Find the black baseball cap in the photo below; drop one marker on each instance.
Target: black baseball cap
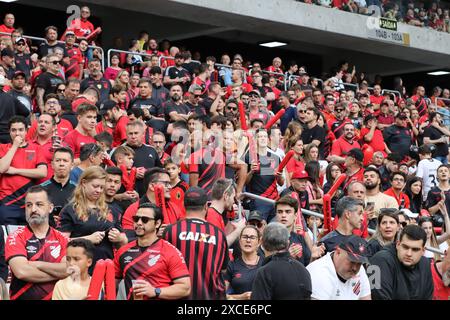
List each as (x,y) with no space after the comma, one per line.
(19,73)
(401,115)
(195,197)
(356,248)
(7,52)
(369,117)
(107,105)
(255,215)
(394,157)
(356,153)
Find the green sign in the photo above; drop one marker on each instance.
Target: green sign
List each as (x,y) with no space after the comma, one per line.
(388,24)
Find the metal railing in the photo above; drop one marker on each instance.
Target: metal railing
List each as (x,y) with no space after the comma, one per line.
(108,55)
(319,215)
(62,42)
(161,58)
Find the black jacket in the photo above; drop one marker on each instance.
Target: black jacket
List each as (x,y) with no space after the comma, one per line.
(398,282)
(3,265)
(282,278)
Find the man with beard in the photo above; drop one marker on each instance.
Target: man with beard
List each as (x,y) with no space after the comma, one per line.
(18,82)
(372,182)
(440,271)
(159,143)
(175,109)
(48,47)
(344,144)
(36,253)
(337,124)
(85,130)
(59,187)
(97,80)
(391,166)
(120,120)
(405,274)
(177,74)
(349,211)
(151,267)
(313,133)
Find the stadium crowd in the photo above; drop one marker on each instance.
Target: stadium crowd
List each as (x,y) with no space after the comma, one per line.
(428,14)
(155,162)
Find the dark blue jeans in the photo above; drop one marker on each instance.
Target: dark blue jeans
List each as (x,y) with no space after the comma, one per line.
(12,215)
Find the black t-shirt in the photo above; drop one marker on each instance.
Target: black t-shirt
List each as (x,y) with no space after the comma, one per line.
(71,223)
(103,85)
(206,103)
(398,139)
(303,196)
(434,134)
(23,63)
(49,82)
(3,265)
(241,275)
(191,67)
(160,94)
(23,98)
(315,133)
(59,195)
(264,183)
(173,73)
(198,109)
(332,240)
(434,196)
(170,106)
(46,49)
(9,107)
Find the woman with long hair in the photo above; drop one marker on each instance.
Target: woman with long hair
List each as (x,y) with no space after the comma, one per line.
(88,216)
(296,163)
(315,192)
(434,241)
(294,129)
(241,272)
(387,228)
(311,153)
(413,190)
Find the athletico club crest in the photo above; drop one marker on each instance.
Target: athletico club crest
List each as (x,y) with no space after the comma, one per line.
(30,155)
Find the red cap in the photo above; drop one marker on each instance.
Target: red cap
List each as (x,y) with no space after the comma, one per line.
(300,175)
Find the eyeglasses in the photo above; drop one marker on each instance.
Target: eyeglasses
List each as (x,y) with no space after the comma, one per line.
(55,62)
(245,237)
(165,183)
(143,219)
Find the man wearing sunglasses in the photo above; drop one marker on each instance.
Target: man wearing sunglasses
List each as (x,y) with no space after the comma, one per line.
(340,113)
(22,60)
(48,81)
(195,96)
(151,267)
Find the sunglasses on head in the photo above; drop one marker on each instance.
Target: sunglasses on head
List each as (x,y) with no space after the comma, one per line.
(143,219)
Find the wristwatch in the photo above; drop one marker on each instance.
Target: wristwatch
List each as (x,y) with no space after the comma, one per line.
(157,292)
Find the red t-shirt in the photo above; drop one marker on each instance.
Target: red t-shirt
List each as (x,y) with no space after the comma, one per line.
(47,153)
(295,165)
(160,264)
(246,87)
(377,142)
(382,119)
(215,218)
(357,176)
(5,29)
(75,140)
(13,188)
(440,292)
(376,100)
(76,58)
(120,131)
(23,243)
(341,147)
(81,27)
(402,199)
(99,128)
(78,101)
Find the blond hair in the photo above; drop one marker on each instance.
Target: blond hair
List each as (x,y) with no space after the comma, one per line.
(79,199)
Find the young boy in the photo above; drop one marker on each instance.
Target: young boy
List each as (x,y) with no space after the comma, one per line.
(80,253)
(124,156)
(179,186)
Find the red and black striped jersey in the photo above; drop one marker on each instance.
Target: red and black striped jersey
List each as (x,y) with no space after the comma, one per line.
(159,264)
(24,243)
(205,249)
(209,164)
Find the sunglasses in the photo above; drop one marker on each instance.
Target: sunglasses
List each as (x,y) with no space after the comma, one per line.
(301,111)
(232,109)
(20,44)
(339,110)
(143,219)
(55,62)
(61,90)
(404,224)
(197,95)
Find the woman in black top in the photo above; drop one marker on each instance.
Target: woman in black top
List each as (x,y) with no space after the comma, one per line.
(413,190)
(386,233)
(241,272)
(332,172)
(88,216)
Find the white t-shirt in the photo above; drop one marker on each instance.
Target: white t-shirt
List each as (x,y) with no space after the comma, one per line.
(427,170)
(327,286)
